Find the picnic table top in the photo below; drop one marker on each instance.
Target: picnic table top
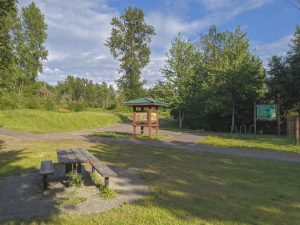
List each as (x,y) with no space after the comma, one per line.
(75,155)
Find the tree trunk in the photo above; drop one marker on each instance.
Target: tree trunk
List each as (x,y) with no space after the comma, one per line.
(180,118)
(232,119)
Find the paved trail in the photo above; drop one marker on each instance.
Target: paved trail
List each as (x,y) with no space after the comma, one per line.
(182,140)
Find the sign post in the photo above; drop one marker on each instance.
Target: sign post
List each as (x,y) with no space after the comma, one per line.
(267,112)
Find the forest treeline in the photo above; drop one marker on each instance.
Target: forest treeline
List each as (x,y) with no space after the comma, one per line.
(22,44)
(210,83)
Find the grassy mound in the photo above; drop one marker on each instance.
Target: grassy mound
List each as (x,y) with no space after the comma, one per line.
(36,121)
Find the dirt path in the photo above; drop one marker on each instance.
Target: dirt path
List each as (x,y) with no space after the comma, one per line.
(182,140)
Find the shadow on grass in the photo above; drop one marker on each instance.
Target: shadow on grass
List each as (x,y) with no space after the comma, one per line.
(21,192)
(198,186)
(124,118)
(260,142)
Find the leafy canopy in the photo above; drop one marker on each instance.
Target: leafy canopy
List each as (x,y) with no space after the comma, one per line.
(129,43)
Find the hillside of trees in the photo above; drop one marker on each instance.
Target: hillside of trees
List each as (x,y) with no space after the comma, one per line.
(211,83)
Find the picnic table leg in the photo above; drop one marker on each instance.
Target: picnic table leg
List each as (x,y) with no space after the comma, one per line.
(45,181)
(68,168)
(79,168)
(106,181)
(74,167)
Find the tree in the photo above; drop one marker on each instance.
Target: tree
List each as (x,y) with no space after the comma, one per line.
(179,71)
(8,13)
(30,39)
(278,81)
(129,43)
(236,75)
(293,62)
(295,4)
(284,76)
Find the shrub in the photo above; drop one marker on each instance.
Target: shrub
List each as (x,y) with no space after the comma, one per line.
(105,192)
(74,179)
(77,106)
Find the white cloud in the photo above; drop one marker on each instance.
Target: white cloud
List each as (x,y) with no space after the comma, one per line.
(77,31)
(168,25)
(76,34)
(278,47)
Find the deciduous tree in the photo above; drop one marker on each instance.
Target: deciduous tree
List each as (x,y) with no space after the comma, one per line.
(129,43)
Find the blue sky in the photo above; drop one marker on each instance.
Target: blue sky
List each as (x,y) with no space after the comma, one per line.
(77,31)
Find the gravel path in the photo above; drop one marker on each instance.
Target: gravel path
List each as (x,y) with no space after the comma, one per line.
(182,140)
(23,196)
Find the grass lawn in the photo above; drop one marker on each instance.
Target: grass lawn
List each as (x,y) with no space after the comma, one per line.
(262,142)
(36,121)
(185,187)
(129,135)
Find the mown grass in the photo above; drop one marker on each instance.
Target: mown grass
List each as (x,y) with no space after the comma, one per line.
(36,121)
(114,134)
(262,142)
(185,187)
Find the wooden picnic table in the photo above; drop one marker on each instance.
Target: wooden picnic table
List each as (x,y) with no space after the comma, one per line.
(74,157)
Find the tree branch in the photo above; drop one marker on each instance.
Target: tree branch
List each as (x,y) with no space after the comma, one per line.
(294,4)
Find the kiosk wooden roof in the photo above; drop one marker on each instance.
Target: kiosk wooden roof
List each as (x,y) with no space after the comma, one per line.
(146,102)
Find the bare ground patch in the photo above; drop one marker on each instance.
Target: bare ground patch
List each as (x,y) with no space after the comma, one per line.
(23,196)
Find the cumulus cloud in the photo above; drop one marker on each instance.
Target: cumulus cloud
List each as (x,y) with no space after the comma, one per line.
(278,47)
(76,35)
(77,31)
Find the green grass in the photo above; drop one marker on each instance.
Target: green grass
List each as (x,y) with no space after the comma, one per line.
(185,187)
(35,121)
(129,135)
(262,142)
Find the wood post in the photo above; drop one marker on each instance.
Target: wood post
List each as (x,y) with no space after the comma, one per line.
(74,166)
(278,119)
(149,123)
(45,181)
(79,168)
(68,167)
(232,120)
(157,124)
(297,130)
(254,118)
(134,122)
(106,181)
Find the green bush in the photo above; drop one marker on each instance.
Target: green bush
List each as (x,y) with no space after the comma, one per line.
(74,179)
(7,102)
(76,106)
(105,192)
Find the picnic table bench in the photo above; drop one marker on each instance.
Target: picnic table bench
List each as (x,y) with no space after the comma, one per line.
(45,170)
(74,157)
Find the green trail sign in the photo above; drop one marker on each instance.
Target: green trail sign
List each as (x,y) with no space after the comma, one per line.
(266,112)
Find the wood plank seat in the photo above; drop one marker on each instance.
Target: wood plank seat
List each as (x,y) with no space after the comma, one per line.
(46,169)
(103,170)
